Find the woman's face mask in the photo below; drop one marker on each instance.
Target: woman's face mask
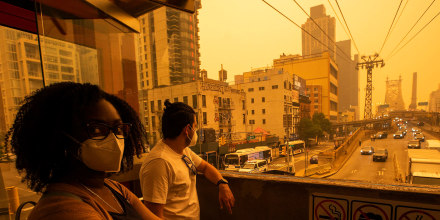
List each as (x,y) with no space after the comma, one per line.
(103,155)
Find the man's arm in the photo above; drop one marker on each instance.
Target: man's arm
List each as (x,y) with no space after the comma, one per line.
(226,198)
(156,208)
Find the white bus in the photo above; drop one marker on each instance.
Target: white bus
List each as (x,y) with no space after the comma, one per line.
(235,161)
(297,146)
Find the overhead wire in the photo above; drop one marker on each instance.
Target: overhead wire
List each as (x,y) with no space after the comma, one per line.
(347,56)
(400,15)
(389,30)
(340,22)
(416,34)
(421,16)
(299,26)
(343,17)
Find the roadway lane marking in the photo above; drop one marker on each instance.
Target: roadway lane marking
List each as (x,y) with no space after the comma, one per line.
(354,171)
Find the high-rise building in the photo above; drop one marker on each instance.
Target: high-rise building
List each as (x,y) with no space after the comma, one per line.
(20,67)
(272,101)
(310,46)
(321,73)
(168,47)
(348,79)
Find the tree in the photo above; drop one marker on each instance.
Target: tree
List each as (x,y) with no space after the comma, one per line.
(314,127)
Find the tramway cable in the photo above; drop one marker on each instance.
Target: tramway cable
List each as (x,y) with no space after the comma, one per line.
(406,35)
(415,35)
(300,27)
(321,29)
(343,17)
(389,30)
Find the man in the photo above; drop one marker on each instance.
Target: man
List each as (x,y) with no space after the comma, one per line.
(168,173)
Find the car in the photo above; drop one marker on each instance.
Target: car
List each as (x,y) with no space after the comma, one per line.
(254,166)
(381,135)
(414,144)
(415,129)
(421,123)
(314,159)
(398,135)
(419,137)
(367,150)
(380,155)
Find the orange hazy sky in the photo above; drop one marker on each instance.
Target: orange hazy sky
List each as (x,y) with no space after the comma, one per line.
(245,34)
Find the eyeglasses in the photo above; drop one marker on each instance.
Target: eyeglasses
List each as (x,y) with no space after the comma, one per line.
(100,131)
(189,164)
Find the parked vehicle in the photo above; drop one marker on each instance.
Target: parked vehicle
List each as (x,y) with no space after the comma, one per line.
(381,135)
(367,150)
(314,159)
(424,167)
(380,155)
(421,123)
(414,144)
(254,166)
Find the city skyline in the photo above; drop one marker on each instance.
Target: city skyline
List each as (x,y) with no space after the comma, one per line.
(261,35)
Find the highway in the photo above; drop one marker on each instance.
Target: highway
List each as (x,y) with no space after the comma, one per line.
(361,167)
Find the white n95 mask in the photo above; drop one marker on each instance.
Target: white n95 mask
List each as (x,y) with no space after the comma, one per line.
(193,139)
(103,155)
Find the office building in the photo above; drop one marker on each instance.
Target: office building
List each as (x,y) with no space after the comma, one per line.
(272,103)
(310,46)
(434,100)
(218,106)
(321,75)
(348,78)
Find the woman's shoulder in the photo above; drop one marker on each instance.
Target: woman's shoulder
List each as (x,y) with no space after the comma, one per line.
(64,205)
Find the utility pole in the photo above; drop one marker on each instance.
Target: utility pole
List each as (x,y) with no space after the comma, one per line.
(369,63)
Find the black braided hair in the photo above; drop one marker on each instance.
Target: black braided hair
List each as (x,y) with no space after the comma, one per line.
(37,135)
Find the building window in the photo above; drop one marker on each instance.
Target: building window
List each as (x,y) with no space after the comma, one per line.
(333,106)
(263,99)
(264,121)
(185,99)
(250,89)
(159,105)
(203,100)
(333,89)
(194,99)
(315,95)
(261,88)
(244,104)
(252,100)
(176,99)
(152,106)
(316,100)
(275,87)
(315,89)
(252,111)
(251,122)
(263,111)
(205,118)
(153,122)
(316,106)
(333,71)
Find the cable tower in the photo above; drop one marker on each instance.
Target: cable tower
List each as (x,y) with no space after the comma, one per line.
(369,63)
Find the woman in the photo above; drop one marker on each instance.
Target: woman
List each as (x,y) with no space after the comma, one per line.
(68,137)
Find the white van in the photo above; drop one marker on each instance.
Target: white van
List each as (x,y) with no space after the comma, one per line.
(254,166)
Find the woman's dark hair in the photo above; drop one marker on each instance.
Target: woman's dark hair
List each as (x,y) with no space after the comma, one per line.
(176,116)
(38,135)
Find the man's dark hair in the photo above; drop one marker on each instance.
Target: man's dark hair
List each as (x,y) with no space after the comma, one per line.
(38,135)
(176,116)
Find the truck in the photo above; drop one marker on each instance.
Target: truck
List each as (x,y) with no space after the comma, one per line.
(423,167)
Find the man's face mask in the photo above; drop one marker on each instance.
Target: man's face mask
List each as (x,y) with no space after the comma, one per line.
(193,140)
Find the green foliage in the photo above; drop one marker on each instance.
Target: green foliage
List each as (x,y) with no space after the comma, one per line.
(314,127)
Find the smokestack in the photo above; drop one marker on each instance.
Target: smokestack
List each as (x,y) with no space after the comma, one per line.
(223,75)
(413,105)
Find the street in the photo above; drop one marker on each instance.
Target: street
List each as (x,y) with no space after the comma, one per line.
(362,167)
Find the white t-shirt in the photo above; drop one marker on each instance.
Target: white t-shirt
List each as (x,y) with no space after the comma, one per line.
(166,179)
